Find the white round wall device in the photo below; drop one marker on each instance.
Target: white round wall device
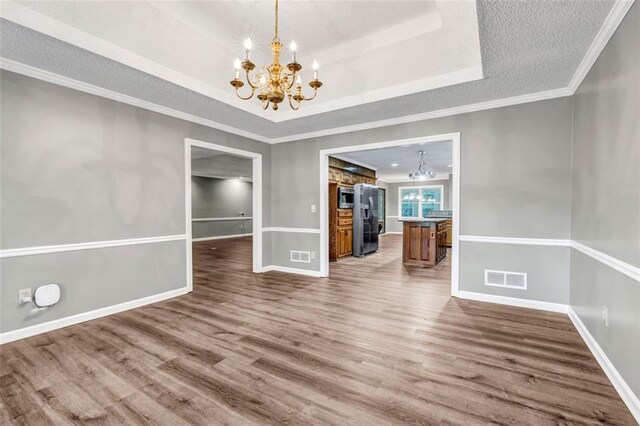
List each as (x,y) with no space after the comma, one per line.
(46,295)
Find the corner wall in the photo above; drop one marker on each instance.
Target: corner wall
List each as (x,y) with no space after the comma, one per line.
(92,196)
(606,199)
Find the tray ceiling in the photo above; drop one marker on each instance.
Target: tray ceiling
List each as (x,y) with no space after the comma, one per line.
(530,50)
(391,49)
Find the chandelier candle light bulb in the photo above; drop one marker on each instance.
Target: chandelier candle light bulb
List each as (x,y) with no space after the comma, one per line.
(248,44)
(274,83)
(236,65)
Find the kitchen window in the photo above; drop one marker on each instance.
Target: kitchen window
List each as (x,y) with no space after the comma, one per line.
(418,201)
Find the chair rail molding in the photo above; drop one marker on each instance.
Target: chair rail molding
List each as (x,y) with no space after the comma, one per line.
(516,240)
(31,251)
(294,230)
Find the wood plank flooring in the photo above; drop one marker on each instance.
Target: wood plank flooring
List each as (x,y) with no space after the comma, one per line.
(376,343)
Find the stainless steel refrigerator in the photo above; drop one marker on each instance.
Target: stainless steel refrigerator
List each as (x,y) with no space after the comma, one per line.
(365,219)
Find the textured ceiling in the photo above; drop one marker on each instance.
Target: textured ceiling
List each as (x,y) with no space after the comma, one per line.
(437,155)
(527,47)
(193,44)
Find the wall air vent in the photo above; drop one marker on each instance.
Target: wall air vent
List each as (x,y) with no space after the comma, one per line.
(505,279)
(300,256)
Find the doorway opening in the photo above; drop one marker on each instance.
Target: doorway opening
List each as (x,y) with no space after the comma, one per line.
(223,199)
(424,206)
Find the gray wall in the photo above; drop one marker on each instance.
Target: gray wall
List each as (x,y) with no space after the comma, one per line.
(80,168)
(515,182)
(220,198)
(606,197)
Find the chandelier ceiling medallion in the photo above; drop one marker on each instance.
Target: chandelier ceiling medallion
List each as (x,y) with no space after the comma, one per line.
(273,83)
(422,173)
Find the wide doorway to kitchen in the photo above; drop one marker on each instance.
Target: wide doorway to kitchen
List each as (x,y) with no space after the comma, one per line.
(391,211)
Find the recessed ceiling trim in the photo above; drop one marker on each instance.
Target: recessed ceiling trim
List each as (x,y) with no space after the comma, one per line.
(29,71)
(396,34)
(443,80)
(69,34)
(611,23)
(415,27)
(498,103)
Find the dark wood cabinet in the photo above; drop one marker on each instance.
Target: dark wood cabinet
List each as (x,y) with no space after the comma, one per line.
(340,227)
(343,174)
(345,241)
(424,242)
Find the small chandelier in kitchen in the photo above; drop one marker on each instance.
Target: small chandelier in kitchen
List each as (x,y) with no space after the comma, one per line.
(422,173)
(273,83)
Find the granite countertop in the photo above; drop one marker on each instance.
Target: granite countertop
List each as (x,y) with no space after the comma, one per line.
(423,219)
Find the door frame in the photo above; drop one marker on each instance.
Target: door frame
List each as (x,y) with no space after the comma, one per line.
(455,138)
(256,198)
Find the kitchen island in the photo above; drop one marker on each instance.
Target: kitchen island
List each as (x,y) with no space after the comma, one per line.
(424,241)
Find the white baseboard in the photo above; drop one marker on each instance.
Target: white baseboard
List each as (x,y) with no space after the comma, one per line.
(513,301)
(291,270)
(607,366)
(23,333)
(221,237)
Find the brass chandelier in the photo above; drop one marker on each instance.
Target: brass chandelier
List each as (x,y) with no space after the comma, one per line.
(273,83)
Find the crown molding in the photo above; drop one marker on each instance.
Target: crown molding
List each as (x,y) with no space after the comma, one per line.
(608,28)
(37,73)
(21,15)
(498,103)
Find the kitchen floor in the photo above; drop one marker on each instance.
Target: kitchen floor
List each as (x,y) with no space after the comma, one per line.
(376,343)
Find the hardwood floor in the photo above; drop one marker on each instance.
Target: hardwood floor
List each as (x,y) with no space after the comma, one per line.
(376,343)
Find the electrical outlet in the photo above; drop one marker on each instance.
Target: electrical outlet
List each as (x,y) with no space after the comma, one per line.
(313,254)
(24,295)
(313,208)
(605,316)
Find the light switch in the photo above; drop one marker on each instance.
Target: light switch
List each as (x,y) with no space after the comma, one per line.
(313,208)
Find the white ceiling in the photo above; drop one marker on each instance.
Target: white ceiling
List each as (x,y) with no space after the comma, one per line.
(530,50)
(368,50)
(438,156)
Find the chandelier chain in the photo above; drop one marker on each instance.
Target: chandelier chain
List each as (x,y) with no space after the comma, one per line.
(276,26)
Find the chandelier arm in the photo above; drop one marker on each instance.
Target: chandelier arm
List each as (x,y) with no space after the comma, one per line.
(315,92)
(253,91)
(295,108)
(293,79)
(265,104)
(253,86)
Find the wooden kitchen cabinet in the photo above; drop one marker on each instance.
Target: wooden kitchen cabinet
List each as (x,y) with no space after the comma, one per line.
(345,241)
(449,232)
(340,227)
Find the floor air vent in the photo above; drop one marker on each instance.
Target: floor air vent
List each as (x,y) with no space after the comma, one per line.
(300,256)
(517,280)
